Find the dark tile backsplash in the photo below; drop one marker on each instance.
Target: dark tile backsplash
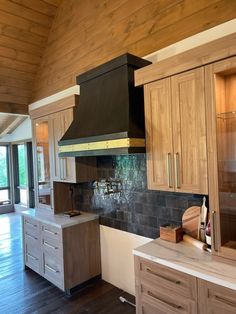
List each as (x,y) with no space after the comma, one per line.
(121,197)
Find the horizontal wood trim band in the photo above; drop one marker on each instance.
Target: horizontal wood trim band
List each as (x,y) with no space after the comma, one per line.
(55,106)
(218,49)
(120,143)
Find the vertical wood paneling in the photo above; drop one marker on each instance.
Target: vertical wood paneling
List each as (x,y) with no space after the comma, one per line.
(85,34)
(24,29)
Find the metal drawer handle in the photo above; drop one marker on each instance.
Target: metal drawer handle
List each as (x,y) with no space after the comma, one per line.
(220,299)
(49,231)
(30,236)
(31,256)
(169,173)
(51,246)
(177,178)
(179,307)
(30,223)
(52,269)
(214,227)
(177,282)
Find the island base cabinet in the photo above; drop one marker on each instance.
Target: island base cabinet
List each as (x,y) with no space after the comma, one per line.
(66,256)
(215,299)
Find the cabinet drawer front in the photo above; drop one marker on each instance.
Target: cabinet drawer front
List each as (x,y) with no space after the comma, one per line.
(52,247)
(167,278)
(51,233)
(31,226)
(32,255)
(216,299)
(52,269)
(166,301)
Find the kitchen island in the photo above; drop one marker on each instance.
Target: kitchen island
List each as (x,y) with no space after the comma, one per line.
(65,251)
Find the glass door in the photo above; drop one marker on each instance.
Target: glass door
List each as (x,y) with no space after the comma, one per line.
(43,162)
(225,93)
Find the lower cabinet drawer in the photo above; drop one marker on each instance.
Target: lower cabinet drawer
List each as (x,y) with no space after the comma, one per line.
(214,299)
(52,233)
(32,254)
(52,269)
(167,278)
(165,301)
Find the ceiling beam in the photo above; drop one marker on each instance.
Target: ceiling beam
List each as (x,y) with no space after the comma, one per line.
(7,107)
(12,126)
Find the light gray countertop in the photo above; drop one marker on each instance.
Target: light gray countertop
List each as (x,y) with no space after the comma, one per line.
(190,260)
(58,220)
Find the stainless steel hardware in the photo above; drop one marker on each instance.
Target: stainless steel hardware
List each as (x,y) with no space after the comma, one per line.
(214,228)
(226,301)
(177,175)
(169,172)
(30,236)
(51,268)
(31,256)
(49,231)
(163,277)
(164,301)
(51,246)
(30,223)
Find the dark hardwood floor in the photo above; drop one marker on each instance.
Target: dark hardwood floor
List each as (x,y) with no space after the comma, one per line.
(24,291)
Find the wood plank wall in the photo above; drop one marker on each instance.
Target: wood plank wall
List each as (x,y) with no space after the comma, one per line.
(24,29)
(85,33)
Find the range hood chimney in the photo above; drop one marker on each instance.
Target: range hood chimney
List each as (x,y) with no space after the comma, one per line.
(109,119)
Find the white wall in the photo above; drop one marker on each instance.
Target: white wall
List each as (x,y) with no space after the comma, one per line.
(116,245)
(117,257)
(22,132)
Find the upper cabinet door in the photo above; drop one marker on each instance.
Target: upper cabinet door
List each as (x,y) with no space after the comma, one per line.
(158,122)
(221,132)
(189,132)
(56,132)
(42,161)
(69,163)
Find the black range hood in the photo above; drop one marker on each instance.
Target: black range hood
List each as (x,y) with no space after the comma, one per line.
(109,119)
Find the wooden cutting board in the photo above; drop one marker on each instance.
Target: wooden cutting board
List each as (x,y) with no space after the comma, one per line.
(190,221)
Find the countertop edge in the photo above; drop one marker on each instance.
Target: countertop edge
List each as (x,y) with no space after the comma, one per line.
(185,270)
(70,223)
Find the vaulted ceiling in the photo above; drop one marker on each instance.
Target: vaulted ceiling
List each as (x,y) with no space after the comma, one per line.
(24,30)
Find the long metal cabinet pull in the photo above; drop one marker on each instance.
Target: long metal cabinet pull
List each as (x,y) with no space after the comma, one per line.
(51,268)
(177,175)
(220,299)
(214,230)
(175,306)
(31,256)
(177,282)
(169,173)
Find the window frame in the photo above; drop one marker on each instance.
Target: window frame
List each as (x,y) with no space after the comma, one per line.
(29,173)
(8,157)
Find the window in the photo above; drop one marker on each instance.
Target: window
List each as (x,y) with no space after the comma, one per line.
(23,182)
(23,174)
(4,175)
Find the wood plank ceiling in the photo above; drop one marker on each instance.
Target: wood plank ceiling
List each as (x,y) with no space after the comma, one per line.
(24,30)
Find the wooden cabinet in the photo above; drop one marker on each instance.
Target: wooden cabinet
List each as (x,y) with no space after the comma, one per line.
(48,129)
(176,133)
(160,289)
(214,299)
(54,254)
(63,168)
(221,108)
